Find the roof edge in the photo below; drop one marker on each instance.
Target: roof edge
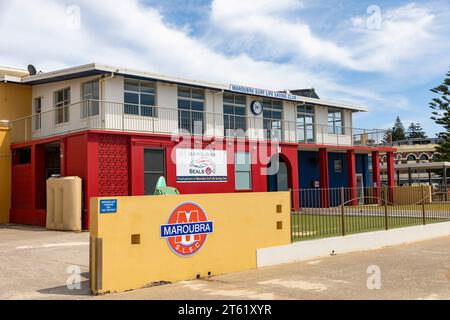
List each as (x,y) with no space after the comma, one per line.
(130,72)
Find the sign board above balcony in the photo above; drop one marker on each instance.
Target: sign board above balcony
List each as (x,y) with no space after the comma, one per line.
(264,92)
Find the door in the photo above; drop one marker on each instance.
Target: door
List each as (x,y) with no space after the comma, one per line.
(360,188)
(154,167)
(278,181)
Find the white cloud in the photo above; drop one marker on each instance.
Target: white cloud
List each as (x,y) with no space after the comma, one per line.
(407,34)
(267,19)
(127,33)
(131,34)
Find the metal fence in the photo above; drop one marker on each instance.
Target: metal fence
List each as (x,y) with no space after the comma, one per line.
(341,211)
(106,115)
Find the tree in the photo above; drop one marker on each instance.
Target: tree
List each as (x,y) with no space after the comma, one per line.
(387,138)
(398,131)
(415,131)
(441,115)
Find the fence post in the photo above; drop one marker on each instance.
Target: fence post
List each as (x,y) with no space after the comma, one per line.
(423,205)
(342,211)
(386,208)
(291,213)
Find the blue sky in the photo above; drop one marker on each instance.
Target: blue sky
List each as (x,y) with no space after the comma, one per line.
(385,55)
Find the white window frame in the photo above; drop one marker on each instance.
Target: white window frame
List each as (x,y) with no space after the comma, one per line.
(276,125)
(235,129)
(333,126)
(37,121)
(191,111)
(139,105)
(237,157)
(303,125)
(62,107)
(90,105)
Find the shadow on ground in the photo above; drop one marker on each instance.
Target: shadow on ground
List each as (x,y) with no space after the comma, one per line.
(64,290)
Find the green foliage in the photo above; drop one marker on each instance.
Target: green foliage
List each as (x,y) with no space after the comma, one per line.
(398,131)
(387,138)
(441,115)
(415,131)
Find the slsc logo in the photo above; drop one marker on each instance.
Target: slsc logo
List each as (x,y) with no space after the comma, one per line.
(187,229)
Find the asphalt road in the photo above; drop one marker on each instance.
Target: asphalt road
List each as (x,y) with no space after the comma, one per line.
(35,264)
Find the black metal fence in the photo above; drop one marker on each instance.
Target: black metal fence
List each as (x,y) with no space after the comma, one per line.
(341,211)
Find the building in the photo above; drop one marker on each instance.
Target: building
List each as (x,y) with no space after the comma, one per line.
(411,162)
(120,129)
(15,102)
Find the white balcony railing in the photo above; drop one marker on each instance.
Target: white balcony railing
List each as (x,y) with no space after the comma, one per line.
(105,115)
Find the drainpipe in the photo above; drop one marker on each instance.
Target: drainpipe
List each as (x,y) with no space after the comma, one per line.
(111,76)
(102,96)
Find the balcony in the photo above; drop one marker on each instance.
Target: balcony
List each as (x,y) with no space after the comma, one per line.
(113,116)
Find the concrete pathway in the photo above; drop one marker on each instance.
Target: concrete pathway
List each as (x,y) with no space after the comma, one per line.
(34,265)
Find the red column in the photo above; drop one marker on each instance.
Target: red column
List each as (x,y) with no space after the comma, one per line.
(390,174)
(137,169)
(390,169)
(39,176)
(92,174)
(324,182)
(351,176)
(292,156)
(376,173)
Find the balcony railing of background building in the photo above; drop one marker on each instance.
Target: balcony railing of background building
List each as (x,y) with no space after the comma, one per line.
(114,116)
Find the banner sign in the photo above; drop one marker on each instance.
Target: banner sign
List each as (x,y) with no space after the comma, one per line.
(264,93)
(198,165)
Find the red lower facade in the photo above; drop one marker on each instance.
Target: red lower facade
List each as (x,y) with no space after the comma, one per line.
(112,164)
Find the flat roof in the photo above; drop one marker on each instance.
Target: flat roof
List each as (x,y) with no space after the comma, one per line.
(14,72)
(6,78)
(418,166)
(96,69)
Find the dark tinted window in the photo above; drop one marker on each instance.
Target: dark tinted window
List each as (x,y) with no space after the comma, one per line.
(154,167)
(24,155)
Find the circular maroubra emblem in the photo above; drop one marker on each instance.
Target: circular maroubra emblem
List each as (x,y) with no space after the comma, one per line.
(187,229)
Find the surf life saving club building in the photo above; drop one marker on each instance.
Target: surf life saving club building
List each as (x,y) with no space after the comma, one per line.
(120,130)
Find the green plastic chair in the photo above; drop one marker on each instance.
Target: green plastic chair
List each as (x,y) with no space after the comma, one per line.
(162,189)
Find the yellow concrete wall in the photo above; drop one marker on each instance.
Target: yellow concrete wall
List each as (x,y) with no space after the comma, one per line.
(5,176)
(412,195)
(15,102)
(243,222)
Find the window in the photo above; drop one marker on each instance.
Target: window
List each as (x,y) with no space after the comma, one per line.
(337,165)
(191,103)
(90,96)
(154,167)
(273,113)
(37,105)
(411,158)
(242,165)
(335,121)
(23,156)
(424,158)
(139,97)
(234,114)
(61,100)
(305,123)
